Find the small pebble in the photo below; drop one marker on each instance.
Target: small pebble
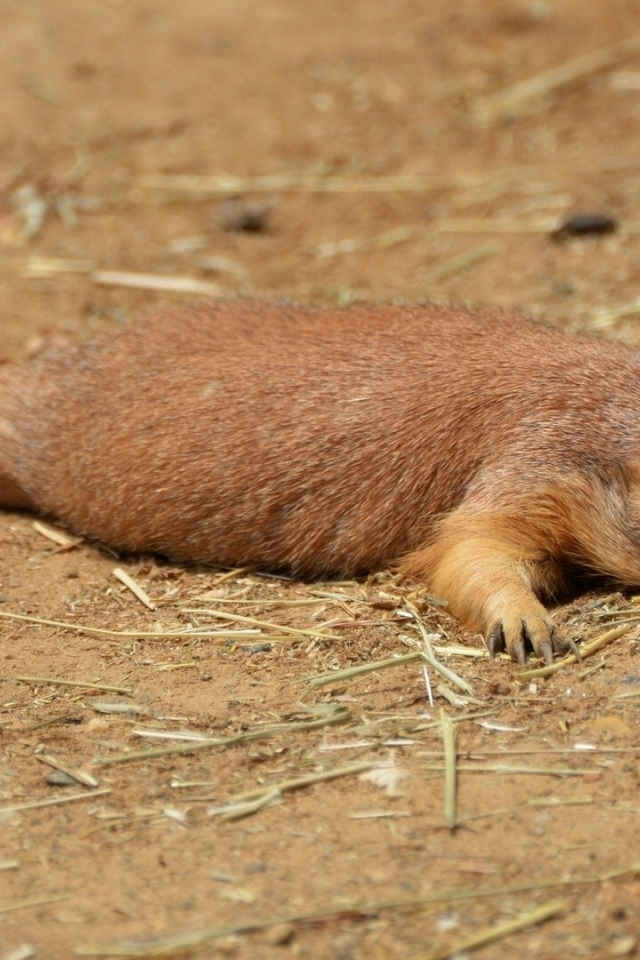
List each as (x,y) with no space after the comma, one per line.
(58,778)
(585,223)
(239,215)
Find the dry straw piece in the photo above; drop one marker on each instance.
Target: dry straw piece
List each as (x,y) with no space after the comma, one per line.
(449,740)
(163,283)
(54,801)
(519,98)
(32,902)
(243,804)
(134,587)
(188,633)
(90,684)
(46,267)
(63,540)
(338,716)
(263,624)
(158,187)
(464,261)
(495,932)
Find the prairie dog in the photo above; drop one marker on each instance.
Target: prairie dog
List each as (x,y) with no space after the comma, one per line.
(485,453)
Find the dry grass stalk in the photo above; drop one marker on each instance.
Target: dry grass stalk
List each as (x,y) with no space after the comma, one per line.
(243,804)
(518,98)
(166,667)
(42,724)
(160,186)
(586,649)
(419,725)
(190,736)
(194,186)
(450,776)
(264,601)
(560,801)
(464,261)
(456,699)
(99,706)
(181,943)
(189,633)
(578,748)
(390,238)
(134,587)
(153,281)
(63,540)
(625,615)
(244,808)
(350,673)
(427,646)
(339,597)
(90,684)
(230,575)
(32,902)
(594,669)
(545,225)
(296,783)
(54,801)
(504,769)
(495,932)
(449,675)
(427,684)
(457,650)
(262,624)
(82,776)
(337,716)
(378,815)
(42,267)
(428,654)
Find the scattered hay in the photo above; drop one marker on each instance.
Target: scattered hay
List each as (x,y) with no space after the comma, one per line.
(183,942)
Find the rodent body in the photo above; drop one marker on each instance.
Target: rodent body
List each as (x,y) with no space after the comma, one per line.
(484,452)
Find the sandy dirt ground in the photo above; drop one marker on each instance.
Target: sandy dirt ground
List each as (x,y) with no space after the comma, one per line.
(409,163)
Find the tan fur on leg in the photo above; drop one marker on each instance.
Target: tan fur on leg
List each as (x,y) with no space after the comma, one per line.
(490,571)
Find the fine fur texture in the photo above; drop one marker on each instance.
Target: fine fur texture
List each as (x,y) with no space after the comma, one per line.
(486,453)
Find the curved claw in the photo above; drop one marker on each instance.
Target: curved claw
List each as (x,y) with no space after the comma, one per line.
(525,632)
(520,653)
(573,647)
(546,652)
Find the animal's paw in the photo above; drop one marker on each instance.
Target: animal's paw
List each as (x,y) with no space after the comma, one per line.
(519,633)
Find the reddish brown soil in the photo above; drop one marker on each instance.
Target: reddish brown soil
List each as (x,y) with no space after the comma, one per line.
(98,96)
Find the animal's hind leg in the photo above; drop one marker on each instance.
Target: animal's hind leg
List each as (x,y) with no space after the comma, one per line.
(491,570)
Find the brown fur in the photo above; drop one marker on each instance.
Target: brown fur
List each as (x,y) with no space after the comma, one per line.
(488,451)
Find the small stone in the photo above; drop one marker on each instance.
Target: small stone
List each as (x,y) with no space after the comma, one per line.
(58,778)
(239,215)
(585,223)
